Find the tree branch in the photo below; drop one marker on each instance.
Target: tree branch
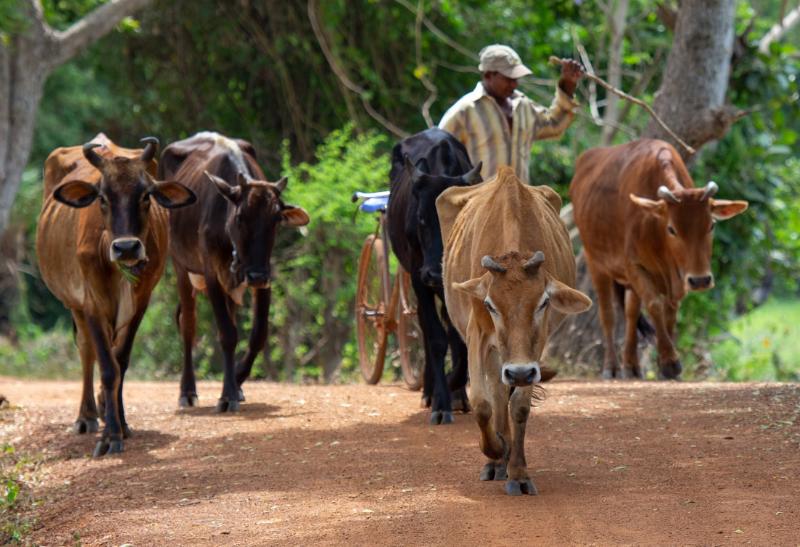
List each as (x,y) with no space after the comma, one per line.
(90,28)
(438,33)
(779,30)
(344,78)
(423,77)
(556,61)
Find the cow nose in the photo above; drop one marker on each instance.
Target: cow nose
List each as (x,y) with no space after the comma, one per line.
(256,277)
(521,375)
(700,282)
(127,248)
(431,278)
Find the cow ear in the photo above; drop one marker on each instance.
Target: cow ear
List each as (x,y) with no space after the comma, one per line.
(566,299)
(294,216)
(723,209)
(658,207)
(76,193)
(172,194)
(477,287)
(232,193)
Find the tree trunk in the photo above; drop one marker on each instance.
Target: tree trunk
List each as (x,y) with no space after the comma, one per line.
(25,63)
(615,16)
(691,100)
(692,94)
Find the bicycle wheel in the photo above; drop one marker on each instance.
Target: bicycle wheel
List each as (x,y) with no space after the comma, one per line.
(370,311)
(409,335)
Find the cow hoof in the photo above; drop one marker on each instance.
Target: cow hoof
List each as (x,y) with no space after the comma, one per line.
(441,417)
(226,405)
(85,425)
(517,488)
(494,472)
(670,371)
(104,446)
(425,402)
(126,432)
(189,400)
(607,374)
(241,395)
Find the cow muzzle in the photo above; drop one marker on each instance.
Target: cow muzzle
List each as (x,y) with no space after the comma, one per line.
(431,277)
(257,279)
(127,250)
(699,282)
(521,375)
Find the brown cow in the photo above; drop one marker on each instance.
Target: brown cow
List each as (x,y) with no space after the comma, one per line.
(645,227)
(102,248)
(508,268)
(223,246)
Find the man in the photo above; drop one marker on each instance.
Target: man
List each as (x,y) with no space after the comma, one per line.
(498,124)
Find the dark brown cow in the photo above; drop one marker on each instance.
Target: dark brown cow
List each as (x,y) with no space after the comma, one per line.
(645,227)
(223,246)
(102,248)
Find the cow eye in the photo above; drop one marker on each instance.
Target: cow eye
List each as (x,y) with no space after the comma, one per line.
(103,201)
(489,307)
(713,223)
(543,305)
(671,231)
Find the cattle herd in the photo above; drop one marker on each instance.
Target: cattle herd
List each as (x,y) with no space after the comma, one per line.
(491,264)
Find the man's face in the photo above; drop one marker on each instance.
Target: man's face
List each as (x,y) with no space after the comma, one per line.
(499,86)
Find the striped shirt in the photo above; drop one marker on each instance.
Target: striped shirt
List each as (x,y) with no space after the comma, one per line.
(478,122)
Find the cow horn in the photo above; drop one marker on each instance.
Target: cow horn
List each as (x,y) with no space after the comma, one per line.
(281,184)
(665,194)
(532,265)
(91,155)
(150,149)
(242,179)
(474,175)
(711,190)
(489,263)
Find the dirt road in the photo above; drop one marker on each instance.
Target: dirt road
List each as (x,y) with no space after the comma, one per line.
(634,463)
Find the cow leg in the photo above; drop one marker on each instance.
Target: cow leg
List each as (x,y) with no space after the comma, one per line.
(122,353)
(436,348)
(228,337)
(187,322)
(87,415)
(111,440)
(630,356)
(669,366)
(258,337)
(492,444)
(604,286)
(519,482)
(457,381)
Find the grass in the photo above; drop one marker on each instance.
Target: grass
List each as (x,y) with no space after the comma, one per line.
(16,497)
(763,344)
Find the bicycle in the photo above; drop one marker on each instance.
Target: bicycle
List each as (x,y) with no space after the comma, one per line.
(384,306)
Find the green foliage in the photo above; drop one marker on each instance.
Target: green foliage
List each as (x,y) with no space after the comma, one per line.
(16,498)
(762,345)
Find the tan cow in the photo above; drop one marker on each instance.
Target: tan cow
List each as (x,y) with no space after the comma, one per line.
(508,268)
(647,233)
(102,247)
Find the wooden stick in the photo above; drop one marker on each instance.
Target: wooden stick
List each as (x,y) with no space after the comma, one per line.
(556,61)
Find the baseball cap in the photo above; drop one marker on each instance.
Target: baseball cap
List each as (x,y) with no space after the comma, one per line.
(502,59)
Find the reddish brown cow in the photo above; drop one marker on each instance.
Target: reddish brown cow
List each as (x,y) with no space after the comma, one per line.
(223,247)
(102,248)
(646,228)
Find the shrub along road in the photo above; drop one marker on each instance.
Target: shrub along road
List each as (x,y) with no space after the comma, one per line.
(635,463)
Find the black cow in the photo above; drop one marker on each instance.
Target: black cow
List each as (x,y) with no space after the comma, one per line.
(222,246)
(423,166)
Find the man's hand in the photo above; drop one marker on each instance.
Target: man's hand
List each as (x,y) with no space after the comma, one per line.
(571,72)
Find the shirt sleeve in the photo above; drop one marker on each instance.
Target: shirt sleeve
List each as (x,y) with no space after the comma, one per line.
(552,122)
(453,123)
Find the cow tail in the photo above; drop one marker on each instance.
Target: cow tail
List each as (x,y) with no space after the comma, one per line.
(643,326)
